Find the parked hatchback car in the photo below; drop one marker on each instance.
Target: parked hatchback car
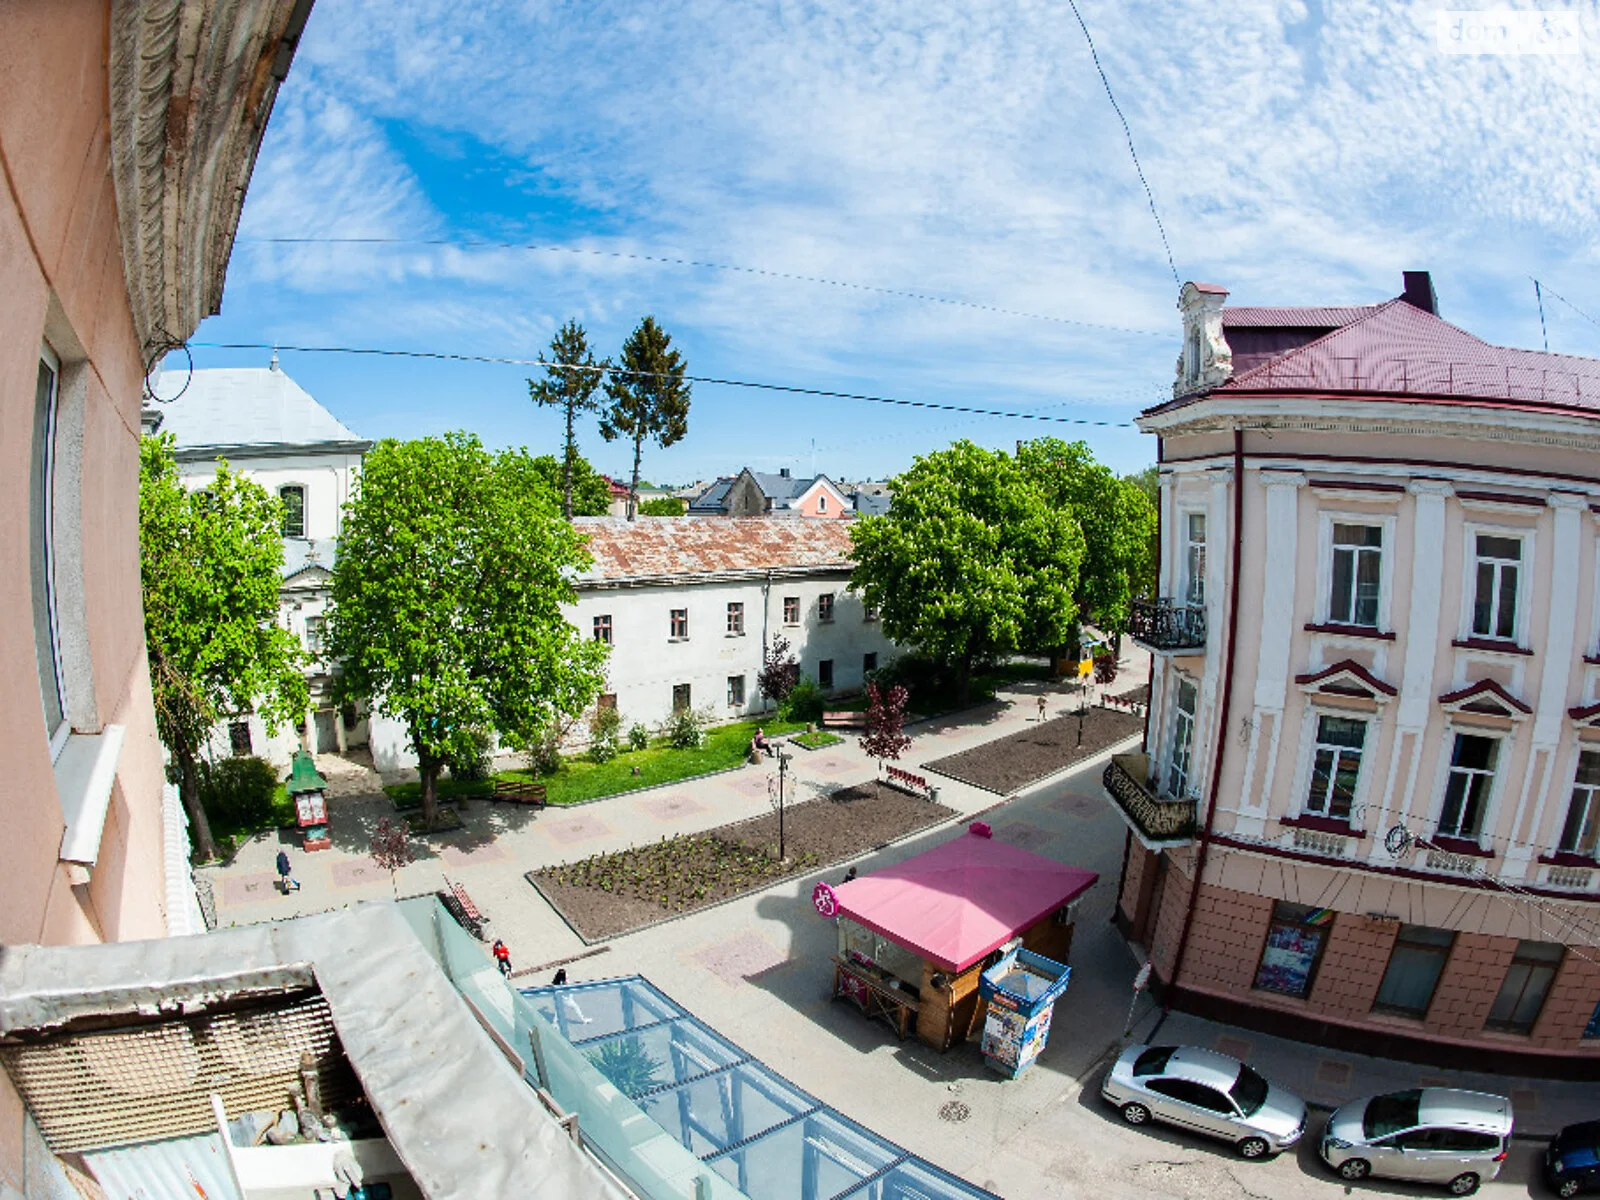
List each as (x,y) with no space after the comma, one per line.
(1207,1092)
(1572,1160)
(1426,1135)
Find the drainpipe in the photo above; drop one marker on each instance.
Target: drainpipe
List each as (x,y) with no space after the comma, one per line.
(1150,686)
(1222,717)
(766,612)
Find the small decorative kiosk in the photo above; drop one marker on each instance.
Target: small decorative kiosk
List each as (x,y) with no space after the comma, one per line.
(306,788)
(1021,991)
(915,937)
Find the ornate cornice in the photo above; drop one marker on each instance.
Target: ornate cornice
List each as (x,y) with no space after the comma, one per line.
(192,84)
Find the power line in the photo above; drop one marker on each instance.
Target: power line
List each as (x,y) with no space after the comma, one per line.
(907,294)
(1128,133)
(1547,288)
(790,389)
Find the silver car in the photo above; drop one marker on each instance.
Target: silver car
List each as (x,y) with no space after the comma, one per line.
(1427,1135)
(1207,1092)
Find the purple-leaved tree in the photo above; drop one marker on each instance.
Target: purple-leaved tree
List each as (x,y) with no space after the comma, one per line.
(391,848)
(780,671)
(886,715)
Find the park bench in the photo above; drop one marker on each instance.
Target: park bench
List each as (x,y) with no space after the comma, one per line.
(914,785)
(844,720)
(515,791)
(460,906)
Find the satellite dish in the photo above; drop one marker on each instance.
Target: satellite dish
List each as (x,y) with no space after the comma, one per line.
(1398,841)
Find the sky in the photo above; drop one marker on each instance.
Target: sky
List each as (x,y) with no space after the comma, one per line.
(928,201)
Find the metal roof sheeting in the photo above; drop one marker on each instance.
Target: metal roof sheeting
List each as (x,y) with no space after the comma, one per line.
(249,406)
(1296,318)
(194,1167)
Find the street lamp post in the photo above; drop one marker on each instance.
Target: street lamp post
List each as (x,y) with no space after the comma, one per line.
(783,763)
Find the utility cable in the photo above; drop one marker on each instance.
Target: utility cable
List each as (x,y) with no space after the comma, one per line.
(1546,288)
(790,389)
(926,297)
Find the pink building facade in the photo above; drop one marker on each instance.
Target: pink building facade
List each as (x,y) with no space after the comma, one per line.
(127,134)
(1368,805)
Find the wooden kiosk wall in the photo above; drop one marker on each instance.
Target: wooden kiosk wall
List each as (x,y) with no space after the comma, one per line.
(954,1013)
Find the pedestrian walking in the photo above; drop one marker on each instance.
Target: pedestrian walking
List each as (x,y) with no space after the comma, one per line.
(561,978)
(286,879)
(502,957)
(1041,708)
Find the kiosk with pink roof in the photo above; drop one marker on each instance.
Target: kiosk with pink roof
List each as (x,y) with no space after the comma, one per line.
(915,937)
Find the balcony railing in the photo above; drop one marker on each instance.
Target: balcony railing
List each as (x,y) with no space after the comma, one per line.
(1166,625)
(1159,818)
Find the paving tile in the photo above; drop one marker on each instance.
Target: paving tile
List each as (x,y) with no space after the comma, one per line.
(1524,1101)
(355,872)
(1085,808)
(1333,1073)
(1233,1047)
(577,829)
(751,784)
(670,806)
(473,854)
(739,958)
(1022,834)
(249,889)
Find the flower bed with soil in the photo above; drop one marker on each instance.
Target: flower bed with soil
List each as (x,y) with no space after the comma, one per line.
(1009,763)
(611,894)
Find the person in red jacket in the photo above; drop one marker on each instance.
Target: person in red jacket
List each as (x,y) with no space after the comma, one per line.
(502,957)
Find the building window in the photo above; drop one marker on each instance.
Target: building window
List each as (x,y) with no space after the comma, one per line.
(1592,1029)
(1336,766)
(1415,964)
(825,673)
(294,510)
(869,663)
(602,628)
(1579,834)
(41,545)
(239,739)
(680,697)
(735,619)
(825,606)
(607,700)
(822,504)
(736,690)
(1179,761)
(791,610)
(680,624)
(1494,602)
(1522,993)
(1194,558)
(314,635)
(1295,941)
(1466,794)
(1357,570)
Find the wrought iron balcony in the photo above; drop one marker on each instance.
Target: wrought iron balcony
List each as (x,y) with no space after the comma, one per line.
(1167,625)
(1158,818)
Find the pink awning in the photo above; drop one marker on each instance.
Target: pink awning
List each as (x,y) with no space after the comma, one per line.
(957,902)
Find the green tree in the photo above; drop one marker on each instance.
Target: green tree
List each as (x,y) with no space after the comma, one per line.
(1148,481)
(1115,516)
(649,396)
(211,562)
(663,506)
(453,566)
(572,377)
(970,562)
(591,494)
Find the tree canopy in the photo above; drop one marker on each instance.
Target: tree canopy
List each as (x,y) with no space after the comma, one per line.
(453,567)
(1117,519)
(211,563)
(570,382)
(591,494)
(649,396)
(969,562)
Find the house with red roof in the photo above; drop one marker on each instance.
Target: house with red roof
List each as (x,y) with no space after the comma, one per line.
(1367,807)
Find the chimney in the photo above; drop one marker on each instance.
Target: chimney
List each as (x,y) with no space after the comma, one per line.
(783,472)
(1419,292)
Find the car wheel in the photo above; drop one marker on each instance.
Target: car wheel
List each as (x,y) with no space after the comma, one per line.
(1355,1168)
(1135,1114)
(1464,1184)
(1568,1187)
(1253,1147)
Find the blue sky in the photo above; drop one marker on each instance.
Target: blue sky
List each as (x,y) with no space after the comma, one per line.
(1299,153)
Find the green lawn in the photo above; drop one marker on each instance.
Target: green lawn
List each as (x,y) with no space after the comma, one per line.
(581,779)
(817,740)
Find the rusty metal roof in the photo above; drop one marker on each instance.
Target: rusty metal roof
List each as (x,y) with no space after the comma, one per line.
(659,547)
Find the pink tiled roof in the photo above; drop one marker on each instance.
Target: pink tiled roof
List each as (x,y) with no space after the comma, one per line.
(652,547)
(1296,318)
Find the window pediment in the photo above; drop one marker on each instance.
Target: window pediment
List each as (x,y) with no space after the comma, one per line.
(1485,698)
(1347,679)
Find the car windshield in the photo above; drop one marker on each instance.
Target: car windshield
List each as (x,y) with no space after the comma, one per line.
(1391,1113)
(1153,1061)
(1249,1091)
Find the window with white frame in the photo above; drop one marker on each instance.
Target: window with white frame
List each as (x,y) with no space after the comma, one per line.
(736,691)
(825,606)
(735,618)
(602,628)
(1494,597)
(679,625)
(1336,766)
(41,547)
(1582,828)
(294,510)
(1180,760)
(1357,574)
(1194,557)
(314,635)
(1466,792)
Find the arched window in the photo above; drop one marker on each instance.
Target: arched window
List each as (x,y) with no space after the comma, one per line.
(294,510)
(1194,353)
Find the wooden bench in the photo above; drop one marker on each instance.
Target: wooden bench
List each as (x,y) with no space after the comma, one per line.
(916,785)
(515,791)
(460,906)
(844,720)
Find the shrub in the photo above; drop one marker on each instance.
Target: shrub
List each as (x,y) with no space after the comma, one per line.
(803,703)
(638,737)
(238,792)
(684,729)
(543,753)
(605,729)
(479,764)
(1105,668)
(663,506)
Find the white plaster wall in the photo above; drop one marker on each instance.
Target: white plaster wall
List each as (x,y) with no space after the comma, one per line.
(327,479)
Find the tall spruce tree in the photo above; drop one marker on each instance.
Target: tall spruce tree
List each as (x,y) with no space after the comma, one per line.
(649,396)
(572,377)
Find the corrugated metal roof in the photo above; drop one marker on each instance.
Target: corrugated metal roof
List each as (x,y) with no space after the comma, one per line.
(249,406)
(1295,318)
(194,1167)
(678,546)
